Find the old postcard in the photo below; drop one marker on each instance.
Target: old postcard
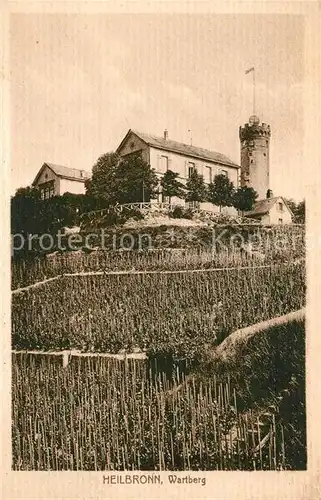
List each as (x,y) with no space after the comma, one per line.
(160,190)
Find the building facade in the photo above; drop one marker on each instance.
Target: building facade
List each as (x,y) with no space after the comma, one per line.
(55,180)
(163,154)
(255,157)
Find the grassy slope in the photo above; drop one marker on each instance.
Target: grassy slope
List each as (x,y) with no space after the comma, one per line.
(267,368)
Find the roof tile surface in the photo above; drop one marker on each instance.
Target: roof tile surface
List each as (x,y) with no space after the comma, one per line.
(185,149)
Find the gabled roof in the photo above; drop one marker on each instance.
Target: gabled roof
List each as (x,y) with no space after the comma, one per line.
(263,207)
(181,148)
(64,172)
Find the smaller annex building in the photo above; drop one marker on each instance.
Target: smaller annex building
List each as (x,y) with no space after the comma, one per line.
(55,180)
(271,211)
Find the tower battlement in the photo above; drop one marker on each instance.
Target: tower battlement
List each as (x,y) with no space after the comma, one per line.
(253,129)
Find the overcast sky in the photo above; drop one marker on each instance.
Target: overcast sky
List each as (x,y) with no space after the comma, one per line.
(79,82)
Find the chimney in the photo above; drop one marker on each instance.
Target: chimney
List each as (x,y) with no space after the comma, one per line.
(269,193)
(165,134)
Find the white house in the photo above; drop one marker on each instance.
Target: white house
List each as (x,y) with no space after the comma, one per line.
(55,180)
(163,154)
(271,211)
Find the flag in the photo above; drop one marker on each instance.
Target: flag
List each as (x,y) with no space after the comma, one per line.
(249,70)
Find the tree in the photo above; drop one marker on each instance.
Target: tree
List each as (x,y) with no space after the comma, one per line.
(291,204)
(220,191)
(25,209)
(171,186)
(195,188)
(61,211)
(101,185)
(244,198)
(121,180)
(300,213)
(298,210)
(32,215)
(77,204)
(134,180)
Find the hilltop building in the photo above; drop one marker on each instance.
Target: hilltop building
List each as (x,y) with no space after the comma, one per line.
(55,180)
(163,154)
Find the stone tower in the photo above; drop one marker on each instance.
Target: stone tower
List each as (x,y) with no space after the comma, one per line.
(255,142)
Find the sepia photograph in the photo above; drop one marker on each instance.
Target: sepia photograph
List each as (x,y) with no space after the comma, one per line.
(158,244)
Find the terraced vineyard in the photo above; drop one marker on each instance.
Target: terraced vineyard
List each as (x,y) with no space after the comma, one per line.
(100,414)
(107,313)
(103,414)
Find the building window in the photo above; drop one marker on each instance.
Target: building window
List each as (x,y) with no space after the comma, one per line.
(280,221)
(47,190)
(280,207)
(191,168)
(208,174)
(224,172)
(163,164)
(193,205)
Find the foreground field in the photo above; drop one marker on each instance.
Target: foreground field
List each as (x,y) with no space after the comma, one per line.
(99,414)
(161,312)
(195,409)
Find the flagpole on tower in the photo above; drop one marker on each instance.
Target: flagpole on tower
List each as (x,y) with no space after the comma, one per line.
(254,106)
(252,70)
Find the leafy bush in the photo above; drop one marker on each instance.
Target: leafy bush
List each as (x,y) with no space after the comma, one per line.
(179,212)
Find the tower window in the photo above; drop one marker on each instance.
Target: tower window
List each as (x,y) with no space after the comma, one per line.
(264,154)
